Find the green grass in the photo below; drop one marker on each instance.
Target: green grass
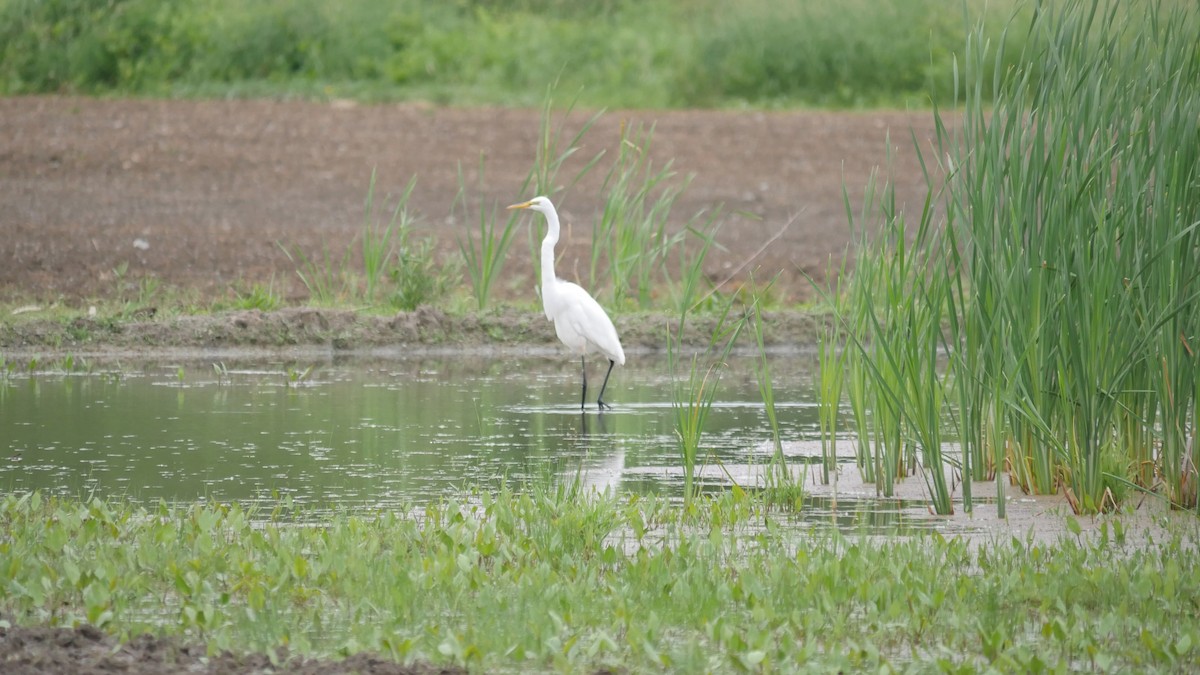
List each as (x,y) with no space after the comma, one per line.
(485,253)
(694,390)
(782,485)
(560,581)
(632,226)
(257,296)
(620,53)
(387,254)
(377,249)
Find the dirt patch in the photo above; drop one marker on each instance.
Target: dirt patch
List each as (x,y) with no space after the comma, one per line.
(200,195)
(350,331)
(42,650)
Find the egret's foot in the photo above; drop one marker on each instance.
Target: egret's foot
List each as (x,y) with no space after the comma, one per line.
(601,405)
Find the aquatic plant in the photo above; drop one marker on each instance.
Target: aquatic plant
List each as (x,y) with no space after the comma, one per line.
(1063,285)
(692,398)
(781,484)
(551,579)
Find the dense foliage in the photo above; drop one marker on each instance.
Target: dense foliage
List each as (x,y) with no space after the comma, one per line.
(1056,263)
(661,53)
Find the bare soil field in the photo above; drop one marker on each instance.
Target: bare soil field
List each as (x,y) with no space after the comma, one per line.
(203,195)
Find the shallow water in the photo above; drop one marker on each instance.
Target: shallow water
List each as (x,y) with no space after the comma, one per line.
(365,433)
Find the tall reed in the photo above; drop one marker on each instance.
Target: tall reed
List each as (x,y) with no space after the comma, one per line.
(1090,159)
(831,377)
(900,295)
(377,249)
(484,254)
(330,280)
(485,251)
(781,485)
(762,366)
(1064,284)
(555,148)
(632,227)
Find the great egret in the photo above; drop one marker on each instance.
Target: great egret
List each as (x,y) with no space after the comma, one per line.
(579,320)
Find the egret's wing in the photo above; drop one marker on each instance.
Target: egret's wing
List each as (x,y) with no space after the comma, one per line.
(587,318)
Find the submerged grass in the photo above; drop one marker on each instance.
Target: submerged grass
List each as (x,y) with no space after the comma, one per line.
(552,580)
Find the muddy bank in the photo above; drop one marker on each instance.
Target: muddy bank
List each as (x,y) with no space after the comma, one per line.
(46,650)
(348,330)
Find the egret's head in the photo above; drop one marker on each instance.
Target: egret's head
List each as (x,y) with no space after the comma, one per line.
(537,204)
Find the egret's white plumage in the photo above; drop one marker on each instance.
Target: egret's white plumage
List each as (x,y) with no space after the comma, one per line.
(579,320)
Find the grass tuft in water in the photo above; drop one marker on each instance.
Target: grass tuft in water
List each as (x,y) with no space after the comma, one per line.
(781,484)
(692,400)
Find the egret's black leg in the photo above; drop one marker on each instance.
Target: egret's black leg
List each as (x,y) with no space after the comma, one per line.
(583,402)
(600,399)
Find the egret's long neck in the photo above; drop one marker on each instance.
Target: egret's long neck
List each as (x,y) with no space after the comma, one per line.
(548,249)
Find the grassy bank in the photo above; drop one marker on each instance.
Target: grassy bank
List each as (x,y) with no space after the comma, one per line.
(663,53)
(553,580)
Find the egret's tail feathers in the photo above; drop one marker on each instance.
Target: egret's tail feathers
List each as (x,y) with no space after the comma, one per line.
(619,357)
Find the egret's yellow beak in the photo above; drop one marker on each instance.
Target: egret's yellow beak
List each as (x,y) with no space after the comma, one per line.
(522,205)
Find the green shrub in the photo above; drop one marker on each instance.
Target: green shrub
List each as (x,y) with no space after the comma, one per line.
(418,279)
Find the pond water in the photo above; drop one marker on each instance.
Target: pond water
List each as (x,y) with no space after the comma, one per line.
(378,432)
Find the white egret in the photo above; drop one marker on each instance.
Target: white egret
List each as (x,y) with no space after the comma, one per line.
(580,321)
